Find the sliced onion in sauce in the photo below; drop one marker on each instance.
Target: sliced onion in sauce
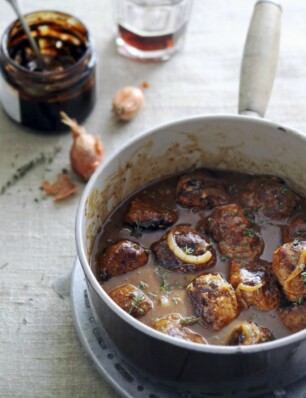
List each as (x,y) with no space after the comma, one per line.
(188,258)
(300,267)
(248,288)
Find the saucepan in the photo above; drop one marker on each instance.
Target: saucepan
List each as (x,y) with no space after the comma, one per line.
(244,143)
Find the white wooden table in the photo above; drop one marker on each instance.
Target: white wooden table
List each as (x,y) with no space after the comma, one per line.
(40,355)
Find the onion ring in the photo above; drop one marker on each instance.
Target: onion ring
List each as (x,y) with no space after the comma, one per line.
(300,267)
(187,258)
(248,288)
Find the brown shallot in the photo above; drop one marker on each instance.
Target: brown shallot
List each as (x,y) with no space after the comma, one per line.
(127,102)
(87,150)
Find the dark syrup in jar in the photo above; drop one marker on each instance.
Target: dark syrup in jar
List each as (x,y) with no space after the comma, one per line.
(57,55)
(151,43)
(66,82)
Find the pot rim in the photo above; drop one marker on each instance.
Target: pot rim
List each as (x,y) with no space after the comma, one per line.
(214,349)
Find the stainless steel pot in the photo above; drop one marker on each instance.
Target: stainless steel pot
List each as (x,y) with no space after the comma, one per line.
(238,143)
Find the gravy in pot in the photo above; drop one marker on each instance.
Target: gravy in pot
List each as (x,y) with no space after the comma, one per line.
(167,288)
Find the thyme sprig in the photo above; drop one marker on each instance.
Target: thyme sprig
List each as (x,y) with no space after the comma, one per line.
(137,299)
(165,286)
(189,320)
(303,278)
(27,167)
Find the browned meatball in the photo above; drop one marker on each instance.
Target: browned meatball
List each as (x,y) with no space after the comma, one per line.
(255,284)
(289,267)
(225,220)
(214,300)
(172,325)
(293,316)
(200,189)
(131,299)
(121,257)
(270,196)
(236,234)
(183,249)
(295,230)
(248,333)
(146,216)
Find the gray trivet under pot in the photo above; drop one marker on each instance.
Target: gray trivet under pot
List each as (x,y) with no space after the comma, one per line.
(126,380)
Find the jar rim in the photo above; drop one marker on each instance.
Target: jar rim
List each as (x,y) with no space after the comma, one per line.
(46,74)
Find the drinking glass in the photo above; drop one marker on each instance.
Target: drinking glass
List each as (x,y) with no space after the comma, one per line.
(151,30)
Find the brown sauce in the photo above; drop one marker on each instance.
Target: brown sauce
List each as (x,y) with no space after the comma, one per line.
(162,192)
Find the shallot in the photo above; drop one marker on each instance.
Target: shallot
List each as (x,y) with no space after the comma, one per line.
(87,150)
(127,102)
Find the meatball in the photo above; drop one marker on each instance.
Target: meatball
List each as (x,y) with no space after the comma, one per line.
(172,325)
(183,249)
(121,257)
(235,233)
(270,196)
(214,300)
(289,267)
(248,333)
(200,189)
(295,230)
(293,316)
(131,299)
(255,284)
(144,215)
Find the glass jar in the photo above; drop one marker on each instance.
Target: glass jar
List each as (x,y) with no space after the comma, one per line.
(35,97)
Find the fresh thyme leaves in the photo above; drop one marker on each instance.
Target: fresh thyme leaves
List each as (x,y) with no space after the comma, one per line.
(284,190)
(296,242)
(299,301)
(189,320)
(137,299)
(252,318)
(136,231)
(250,213)
(303,278)
(139,226)
(164,284)
(233,188)
(249,232)
(27,167)
(142,285)
(188,250)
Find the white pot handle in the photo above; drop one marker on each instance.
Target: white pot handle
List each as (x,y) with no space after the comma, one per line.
(260,58)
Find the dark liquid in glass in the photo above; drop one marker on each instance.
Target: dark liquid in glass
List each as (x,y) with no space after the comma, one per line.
(151,43)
